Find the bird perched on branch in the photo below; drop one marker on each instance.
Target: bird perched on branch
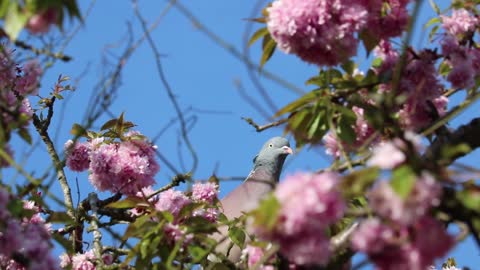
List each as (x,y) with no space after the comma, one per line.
(267,166)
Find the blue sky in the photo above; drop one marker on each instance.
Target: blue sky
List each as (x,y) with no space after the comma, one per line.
(204,77)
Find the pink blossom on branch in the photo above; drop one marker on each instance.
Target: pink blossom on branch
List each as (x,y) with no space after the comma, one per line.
(40,23)
(309,203)
(319,32)
(399,247)
(77,155)
(253,255)
(125,167)
(388,204)
(172,201)
(460,22)
(205,192)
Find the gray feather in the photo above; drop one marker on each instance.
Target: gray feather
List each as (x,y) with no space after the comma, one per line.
(261,180)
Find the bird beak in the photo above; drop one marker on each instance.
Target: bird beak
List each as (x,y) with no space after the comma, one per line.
(287,150)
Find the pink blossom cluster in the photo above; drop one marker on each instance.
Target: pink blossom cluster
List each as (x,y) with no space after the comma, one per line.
(253,255)
(304,215)
(173,201)
(324,32)
(390,154)
(16,84)
(460,22)
(24,241)
(363,132)
(419,86)
(463,59)
(125,167)
(40,23)
(83,261)
(403,235)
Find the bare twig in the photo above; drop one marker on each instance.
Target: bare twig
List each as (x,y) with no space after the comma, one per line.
(169,90)
(259,128)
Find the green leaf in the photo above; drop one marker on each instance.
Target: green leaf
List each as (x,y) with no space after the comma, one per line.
(25,135)
(72,9)
(59,217)
(4,5)
(199,224)
(345,125)
(432,33)
(269,46)
(237,236)
(444,68)
(266,215)
(358,182)
(15,20)
(470,198)
(198,253)
(109,124)
(432,21)
(403,181)
(369,41)
(78,130)
(119,124)
(129,202)
(449,151)
(435,7)
(349,66)
(257,35)
(303,101)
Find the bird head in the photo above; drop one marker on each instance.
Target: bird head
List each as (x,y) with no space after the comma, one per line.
(273,153)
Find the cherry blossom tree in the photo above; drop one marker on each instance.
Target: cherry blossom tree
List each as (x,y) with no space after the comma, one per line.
(390,193)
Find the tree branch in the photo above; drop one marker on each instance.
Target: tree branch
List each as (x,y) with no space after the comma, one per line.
(467,135)
(259,128)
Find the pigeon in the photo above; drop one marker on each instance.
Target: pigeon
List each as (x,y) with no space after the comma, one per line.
(261,180)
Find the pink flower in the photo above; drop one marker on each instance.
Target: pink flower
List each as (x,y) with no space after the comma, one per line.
(65,260)
(254,254)
(77,156)
(319,205)
(371,236)
(210,214)
(307,248)
(388,204)
(460,22)
(363,133)
(205,192)
(309,203)
(40,23)
(390,154)
(28,83)
(176,234)
(172,201)
(399,247)
(84,261)
(124,167)
(384,23)
(462,75)
(319,32)
(386,156)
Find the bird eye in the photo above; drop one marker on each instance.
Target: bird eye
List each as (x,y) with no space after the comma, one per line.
(270,145)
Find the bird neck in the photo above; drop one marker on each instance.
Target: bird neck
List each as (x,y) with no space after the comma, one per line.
(273,168)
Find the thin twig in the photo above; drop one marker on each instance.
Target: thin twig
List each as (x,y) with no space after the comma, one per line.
(169,90)
(259,128)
